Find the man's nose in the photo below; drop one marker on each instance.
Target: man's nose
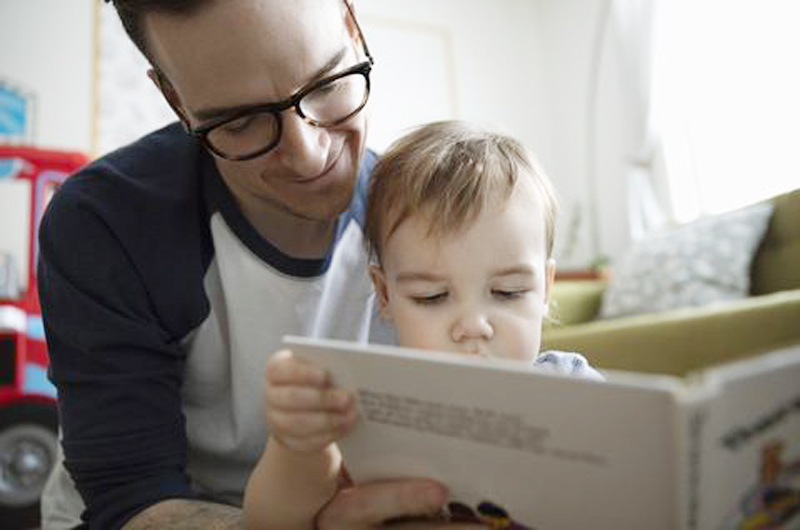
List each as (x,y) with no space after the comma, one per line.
(303,147)
(472,324)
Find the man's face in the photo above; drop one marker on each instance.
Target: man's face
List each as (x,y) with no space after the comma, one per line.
(481,291)
(236,53)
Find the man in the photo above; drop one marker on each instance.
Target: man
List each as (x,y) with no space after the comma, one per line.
(171,268)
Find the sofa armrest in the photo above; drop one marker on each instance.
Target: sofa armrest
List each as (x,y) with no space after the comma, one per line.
(575,301)
(677,342)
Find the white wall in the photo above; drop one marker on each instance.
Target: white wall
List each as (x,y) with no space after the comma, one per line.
(129,103)
(490,65)
(567,37)
(46,49)
(46,46)
(616,141)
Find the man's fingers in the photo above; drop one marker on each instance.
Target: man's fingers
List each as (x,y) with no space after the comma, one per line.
(284,368)
(368,505)
(308,398)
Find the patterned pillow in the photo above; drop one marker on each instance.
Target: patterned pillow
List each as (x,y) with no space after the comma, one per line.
(696,264)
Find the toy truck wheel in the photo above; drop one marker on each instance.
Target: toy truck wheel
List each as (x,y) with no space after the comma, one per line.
(28,443)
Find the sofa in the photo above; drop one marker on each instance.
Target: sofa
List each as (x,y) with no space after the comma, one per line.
(679,341)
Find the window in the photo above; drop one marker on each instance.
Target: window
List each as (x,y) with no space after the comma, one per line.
(727,97)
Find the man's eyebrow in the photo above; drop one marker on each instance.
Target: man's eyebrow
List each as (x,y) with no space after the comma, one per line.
(213,113)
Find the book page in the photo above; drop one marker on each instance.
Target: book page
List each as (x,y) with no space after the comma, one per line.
(549,452)
(751,444)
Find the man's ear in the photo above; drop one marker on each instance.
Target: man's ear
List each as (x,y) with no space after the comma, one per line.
(381,290)
(169,93)
(549,279)
(350,23)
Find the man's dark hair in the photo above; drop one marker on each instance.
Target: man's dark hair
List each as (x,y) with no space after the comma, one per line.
(132,12)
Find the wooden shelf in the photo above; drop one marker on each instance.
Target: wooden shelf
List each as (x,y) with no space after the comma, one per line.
(581,274)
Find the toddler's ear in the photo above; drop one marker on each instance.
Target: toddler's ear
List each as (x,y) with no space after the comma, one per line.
(549,279)
(381,290)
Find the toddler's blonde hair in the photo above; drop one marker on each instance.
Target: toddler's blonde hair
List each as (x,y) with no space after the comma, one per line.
(450,171)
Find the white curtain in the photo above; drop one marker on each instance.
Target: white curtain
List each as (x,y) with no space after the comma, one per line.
(726,93)
(633,39)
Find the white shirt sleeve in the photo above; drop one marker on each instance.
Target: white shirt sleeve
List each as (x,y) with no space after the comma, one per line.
(568,363)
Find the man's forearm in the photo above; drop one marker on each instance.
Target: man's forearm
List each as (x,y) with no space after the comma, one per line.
(184,514)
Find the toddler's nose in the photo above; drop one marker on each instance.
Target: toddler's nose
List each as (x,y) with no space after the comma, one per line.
(471,326)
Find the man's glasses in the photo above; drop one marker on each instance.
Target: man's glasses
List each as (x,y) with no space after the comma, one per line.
(327,102)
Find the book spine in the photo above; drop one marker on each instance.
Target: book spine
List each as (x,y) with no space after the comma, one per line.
(693,414)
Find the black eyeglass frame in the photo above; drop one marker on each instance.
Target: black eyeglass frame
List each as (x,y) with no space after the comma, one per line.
(364,68)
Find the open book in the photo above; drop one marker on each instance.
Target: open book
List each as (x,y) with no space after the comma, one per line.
(528,449)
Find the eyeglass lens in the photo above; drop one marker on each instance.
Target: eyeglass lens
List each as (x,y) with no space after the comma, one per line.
(326,105)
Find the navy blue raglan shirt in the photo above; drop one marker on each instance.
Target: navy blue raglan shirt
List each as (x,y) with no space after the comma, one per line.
(161,304)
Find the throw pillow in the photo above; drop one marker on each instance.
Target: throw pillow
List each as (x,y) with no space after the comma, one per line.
(699,263)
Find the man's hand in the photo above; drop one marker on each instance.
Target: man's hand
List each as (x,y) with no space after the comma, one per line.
(304,411)
(369,506)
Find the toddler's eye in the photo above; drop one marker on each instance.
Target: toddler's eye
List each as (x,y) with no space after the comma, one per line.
(509,294)
(430,299)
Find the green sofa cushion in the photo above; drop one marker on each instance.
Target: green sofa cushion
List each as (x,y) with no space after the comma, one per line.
(575,301)
(776,266)
(677,342)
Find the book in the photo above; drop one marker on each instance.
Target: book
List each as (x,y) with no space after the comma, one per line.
(524,448)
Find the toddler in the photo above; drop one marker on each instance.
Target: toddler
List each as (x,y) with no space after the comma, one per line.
(459,227)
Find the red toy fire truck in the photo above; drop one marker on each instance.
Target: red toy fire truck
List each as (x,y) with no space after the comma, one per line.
(28,420)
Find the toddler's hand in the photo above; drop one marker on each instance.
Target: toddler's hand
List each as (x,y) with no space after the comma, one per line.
(305,412)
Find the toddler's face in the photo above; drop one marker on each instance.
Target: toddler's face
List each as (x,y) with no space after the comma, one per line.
(480,291)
